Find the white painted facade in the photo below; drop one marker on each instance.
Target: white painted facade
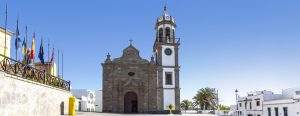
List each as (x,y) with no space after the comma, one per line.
(232,111)
(252,104)
(290,101)
(86,99)
(168,60)
(269,102)
(2,42)
(98,101)
(169,97)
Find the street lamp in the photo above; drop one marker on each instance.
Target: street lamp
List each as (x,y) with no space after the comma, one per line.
(236,98)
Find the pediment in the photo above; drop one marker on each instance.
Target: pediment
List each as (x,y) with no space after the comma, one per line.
(131,55)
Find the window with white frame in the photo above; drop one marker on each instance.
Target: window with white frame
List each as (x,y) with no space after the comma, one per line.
(168,78)
(257,103)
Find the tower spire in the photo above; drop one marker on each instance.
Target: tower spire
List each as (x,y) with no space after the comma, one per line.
(165,5)
(165,9)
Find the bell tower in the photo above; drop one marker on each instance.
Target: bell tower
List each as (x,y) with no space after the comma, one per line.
(166,52)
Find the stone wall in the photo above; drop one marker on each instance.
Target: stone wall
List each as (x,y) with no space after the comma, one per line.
(21,97)
(126,77)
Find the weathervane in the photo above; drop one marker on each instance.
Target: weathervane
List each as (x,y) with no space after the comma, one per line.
(130,41)
(165,5)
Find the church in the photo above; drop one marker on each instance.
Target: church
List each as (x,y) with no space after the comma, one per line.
(132,84)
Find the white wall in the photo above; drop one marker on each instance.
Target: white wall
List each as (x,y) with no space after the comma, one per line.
(292,105)
(169,92)
(270,100)
(98,101)
(168,60)
(86,98)
(21,97)
(252,98)
(169,98)
(2,43)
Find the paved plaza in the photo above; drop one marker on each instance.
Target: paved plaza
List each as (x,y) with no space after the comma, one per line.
(114,114)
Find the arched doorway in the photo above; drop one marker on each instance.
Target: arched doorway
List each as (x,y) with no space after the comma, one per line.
(62,108)
(130,103)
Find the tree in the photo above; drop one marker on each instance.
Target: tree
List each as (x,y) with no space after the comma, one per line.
(171,107)
(206,98)
(224,108)
(185,105)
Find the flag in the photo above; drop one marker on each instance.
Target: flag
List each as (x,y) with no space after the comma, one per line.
(41,53)
(24,51)
(52,62)
(18,40)
(32,51)
(28,55)
(24,47)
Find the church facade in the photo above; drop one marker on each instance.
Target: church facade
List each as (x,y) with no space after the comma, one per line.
(132,84)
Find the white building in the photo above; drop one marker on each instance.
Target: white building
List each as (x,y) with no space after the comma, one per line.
(5,43)
(266,103)
(252,104)
(288,105)
(232,111)
(86,99)
(98,101)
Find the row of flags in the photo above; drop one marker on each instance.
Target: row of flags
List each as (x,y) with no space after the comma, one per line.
(29,53)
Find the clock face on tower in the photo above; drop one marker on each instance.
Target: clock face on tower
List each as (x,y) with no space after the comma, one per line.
(168,51)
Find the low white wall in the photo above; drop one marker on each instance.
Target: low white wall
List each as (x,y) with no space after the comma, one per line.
(21,97)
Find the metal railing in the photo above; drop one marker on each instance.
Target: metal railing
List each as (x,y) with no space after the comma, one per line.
(168,40)
(16,68)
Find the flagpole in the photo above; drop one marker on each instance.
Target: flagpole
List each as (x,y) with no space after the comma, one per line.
(25,58)
(48,50)
(62,64)
(41,51)
(5,31)
(17,36)
(26,31)
(58,62)
(52,60)
(16,42)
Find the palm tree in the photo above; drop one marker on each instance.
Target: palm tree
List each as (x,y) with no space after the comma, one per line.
(185,105)
(206,98)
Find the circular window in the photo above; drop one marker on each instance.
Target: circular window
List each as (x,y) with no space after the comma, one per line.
(168,51)
(131,73)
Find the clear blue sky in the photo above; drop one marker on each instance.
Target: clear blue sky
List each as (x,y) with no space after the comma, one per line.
(226,44)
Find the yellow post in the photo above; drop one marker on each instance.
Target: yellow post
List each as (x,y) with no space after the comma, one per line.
(72,106)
